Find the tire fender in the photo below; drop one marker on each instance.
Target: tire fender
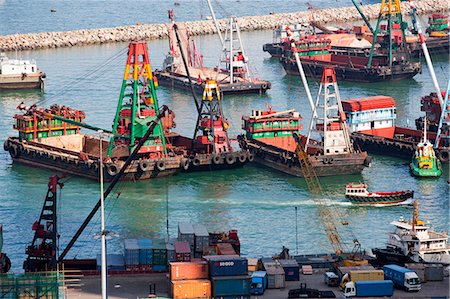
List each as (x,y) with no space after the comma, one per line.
(161,165)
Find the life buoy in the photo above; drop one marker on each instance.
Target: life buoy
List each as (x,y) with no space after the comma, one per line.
(112,169)
(185,163)
(242,157)
(161,165)
(13,151)
(196,161)
(6,145)
(251,157)
(230,159)
(144,165)
(264,86)
(216,159)
(330,160)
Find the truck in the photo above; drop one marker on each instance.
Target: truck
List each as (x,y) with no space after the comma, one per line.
(259,282)
(402,277)
(304,292)
(371,288)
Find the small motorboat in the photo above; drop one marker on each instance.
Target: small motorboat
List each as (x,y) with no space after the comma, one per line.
(357,193)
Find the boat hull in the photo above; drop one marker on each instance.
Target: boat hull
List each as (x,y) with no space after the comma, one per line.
(181,82)
(286,161)
(346,72)
(395,198)
(22,82)
(385,256)
(395,147)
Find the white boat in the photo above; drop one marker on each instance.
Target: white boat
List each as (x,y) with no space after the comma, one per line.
(417,241)
(20,74)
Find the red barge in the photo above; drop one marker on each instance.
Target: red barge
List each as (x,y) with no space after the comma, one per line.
(270,136)
(372,122)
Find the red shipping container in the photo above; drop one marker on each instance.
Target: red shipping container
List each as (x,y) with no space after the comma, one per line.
(225,249)
(182,251)
(188,270)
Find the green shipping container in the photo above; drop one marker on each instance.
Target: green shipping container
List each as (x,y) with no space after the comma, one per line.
(159,252)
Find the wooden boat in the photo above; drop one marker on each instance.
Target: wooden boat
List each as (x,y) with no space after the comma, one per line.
(357,193)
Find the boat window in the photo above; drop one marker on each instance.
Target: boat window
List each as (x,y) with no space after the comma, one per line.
(32,68)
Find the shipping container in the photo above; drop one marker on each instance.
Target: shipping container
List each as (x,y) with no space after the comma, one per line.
(186,233)
(188,270)
(145,251)
(227,265)
(291,270)
(366,275)
(201,237)
(209,250)
(114,262)
(131,251)
(182,251)
(230,286)
(160,268)
(170,247)
(252,265)
(193,289)
(225,249)
(159,252)
(275,276)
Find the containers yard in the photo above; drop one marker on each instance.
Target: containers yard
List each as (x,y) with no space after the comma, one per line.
(225,149)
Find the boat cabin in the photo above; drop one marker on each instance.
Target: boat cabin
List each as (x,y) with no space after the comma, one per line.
(16,66)
(356,189)
(371,115)
(274,128)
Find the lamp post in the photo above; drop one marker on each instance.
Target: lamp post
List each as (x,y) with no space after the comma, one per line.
(103,232)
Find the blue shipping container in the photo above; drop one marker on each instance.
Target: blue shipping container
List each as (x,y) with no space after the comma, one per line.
(114,262)
(291,270)
(131,252)
(230,286)
(145,251)
(223,265)
(374,288)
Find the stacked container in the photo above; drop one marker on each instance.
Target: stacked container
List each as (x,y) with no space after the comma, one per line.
(275,275)
(229,276)
(159,255)
(189,280)
(145,251)
(186,233)
(291,270)
(170,247)
(201,239)
(131,252)
(182,251)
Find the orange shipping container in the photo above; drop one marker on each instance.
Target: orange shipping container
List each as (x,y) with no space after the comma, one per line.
(192,289)
(188,270)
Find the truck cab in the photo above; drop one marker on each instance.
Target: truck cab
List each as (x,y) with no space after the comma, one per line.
(259,282)
(412,282)
(402,277)
(350,289)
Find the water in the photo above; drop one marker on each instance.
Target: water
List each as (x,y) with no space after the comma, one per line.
(256,201)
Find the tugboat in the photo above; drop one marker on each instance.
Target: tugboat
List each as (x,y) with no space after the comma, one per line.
(413,241)
(424,162)
(20,74)
(232,75)
(270,137)
(357,194)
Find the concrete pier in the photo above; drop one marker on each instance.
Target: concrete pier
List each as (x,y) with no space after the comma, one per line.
(157,31)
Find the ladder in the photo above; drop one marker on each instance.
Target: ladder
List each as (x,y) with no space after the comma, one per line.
(445,111)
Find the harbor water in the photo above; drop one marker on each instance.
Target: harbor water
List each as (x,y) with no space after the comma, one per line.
(256,201)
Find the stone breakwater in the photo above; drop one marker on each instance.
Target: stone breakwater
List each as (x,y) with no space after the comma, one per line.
(44,40)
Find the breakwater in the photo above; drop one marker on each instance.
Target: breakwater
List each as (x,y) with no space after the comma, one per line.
(82,37)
